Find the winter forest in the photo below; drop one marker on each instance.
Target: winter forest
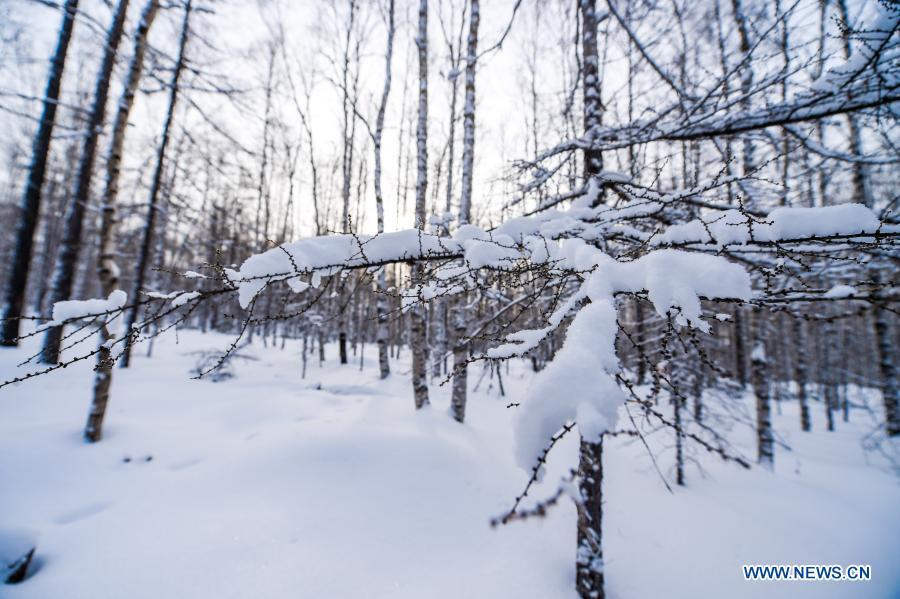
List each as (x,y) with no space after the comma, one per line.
(449,298)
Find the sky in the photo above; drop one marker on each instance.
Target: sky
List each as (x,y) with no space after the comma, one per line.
(230,50)
(234,36)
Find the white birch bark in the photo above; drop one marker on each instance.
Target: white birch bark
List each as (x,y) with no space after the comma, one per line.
(418,328)
(458,316)
(107,268)
(381,307)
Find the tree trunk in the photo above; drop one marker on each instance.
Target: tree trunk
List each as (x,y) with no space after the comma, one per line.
(263,203)
(107,269)
(458,316)
(639,336)
(740,345)
(349,135)
(589,561)
(678,406)
(589,557)
(67,259)
(460,359)
(887,370)
(417,326)
(830,405)
(862,192)
(17,283)
(748,164)
(800,373)
(382,332)
(760,384)
(593,107)
(832,349)
(147,239)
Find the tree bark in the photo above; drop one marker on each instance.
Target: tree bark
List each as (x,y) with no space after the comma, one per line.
(639,336)
(67,258)
(887,369)
(740,345)
(760,384)
(349,135)
(417,330)
(263,203)
(107,269)
(589,567)
(147,239)
(678,408)
(746,75)
(800,373)
(458,316)
(382,333)
(593,107)
(862,192)
(460,359)
(17,283)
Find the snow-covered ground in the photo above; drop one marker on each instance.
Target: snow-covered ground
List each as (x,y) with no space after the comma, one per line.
(270,486)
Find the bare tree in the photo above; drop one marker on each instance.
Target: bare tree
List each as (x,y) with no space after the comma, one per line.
(67,259)
(146,247)
(418,327)
(381,304)
(17,284)
(589,567)
(107,268)
(460,345)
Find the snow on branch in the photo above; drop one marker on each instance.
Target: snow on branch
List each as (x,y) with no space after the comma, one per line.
(869,79)
(586,364)
(71,310)
(320,256)
(782,224)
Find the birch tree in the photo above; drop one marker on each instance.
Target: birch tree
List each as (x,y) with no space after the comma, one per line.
(17,283)
(589,566)
(145,255)
(417,325)
(67,259)
(381,303)
(108,269)
(460,345)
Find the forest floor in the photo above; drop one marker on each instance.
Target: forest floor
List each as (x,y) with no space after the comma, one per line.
(267,485)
